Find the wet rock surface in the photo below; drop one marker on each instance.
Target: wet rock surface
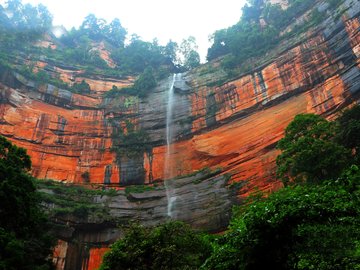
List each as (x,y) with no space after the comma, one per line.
(204,201)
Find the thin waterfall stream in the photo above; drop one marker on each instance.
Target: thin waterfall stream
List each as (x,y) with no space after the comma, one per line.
(168,173)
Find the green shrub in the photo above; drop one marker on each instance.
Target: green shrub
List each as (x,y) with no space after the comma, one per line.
(173,245)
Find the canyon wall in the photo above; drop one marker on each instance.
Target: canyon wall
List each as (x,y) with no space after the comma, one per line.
(233,123)
(230,123)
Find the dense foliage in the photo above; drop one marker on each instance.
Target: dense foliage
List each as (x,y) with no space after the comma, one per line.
(69,200)
(190,56)
(310,152)
(172,245)
(349,130)
(142,86)
(82,87)
(21,24)
(258,30)
(140,54)
(25,242)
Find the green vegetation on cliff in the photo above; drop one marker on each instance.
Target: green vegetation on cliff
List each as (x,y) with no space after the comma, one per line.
(142,86)
(310,152)
(260,29)
(22,24)
(64,201)
(96,48)
(130,141)
(173,245)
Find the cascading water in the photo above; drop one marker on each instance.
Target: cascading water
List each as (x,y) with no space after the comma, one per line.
(169,114)
(169,137)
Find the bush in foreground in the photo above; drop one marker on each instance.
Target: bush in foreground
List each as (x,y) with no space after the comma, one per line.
(173,245)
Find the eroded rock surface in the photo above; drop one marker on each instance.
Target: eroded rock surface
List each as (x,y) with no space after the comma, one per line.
(204,201)
(232,123)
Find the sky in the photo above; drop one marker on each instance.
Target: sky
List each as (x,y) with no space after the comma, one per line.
(163,19)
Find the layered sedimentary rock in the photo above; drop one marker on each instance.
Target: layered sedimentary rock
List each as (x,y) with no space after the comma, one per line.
(234,125)
(203,200)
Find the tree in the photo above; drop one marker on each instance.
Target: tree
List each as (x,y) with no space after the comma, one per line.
(131,252)
(37,19)
(116,34)
(252,10)
(349,130)
(219,45)
(26,23)
(309,152)
(139,55)
(188,49)
(170,51)
(82,88)
(192,60)
(45,17)
(172,245)
(91,26)
(15,7)
(273,14)
(145,82)
(25,242)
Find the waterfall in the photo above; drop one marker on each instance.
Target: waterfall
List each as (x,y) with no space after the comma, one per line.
(169,137)
(169,115)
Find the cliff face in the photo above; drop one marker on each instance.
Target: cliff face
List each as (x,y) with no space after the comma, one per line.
(236,125)
(203,200)
(232,123)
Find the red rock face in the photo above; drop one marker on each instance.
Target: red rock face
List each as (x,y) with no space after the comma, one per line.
(92,262)
(253,112)
(245,148)
(59,255)
(62,143)
(101,85)
(234,126)
(95,259)
(352,28)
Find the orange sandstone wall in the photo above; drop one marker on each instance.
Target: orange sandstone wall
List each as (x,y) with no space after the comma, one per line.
(352,28)
(234,126)
(103,85)
(62,143)
(245,148)
(59,255)
(96,256)
(253,111)
(91,261)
